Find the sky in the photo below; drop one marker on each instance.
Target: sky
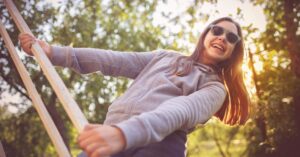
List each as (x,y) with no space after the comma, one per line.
(252,15)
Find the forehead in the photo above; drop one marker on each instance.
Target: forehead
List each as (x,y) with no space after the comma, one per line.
(228,26)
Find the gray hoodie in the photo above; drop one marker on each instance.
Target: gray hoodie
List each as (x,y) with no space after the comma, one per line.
(159,108)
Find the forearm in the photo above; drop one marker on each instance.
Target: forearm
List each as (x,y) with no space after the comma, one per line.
(83,61)
(182,112)
(113,63)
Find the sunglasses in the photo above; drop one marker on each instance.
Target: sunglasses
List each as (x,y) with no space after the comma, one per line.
(230,36)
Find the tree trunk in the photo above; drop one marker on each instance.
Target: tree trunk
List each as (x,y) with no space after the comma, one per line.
(260,118)
(291,9)
(290,13)
(293,46)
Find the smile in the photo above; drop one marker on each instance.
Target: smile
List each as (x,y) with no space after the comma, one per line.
(218,46)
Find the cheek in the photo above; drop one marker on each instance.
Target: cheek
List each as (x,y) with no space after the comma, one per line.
(206,44)
(207,41)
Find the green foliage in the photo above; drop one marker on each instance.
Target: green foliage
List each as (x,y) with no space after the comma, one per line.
(277,122)
(217,139)
(21,132)
(117,25)
(128,26)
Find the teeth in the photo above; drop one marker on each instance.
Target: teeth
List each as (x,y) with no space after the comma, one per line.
(218,47)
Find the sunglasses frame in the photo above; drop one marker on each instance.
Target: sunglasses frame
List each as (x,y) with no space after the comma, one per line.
(226,33)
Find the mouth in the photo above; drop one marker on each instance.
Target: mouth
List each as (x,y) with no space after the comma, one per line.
(219,47)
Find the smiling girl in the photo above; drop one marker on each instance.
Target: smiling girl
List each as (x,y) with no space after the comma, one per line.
(170,95)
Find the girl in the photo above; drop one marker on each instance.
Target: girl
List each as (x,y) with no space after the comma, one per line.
(170,94)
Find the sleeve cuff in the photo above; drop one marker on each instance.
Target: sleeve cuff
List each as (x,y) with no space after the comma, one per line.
(133,132)
(59,55)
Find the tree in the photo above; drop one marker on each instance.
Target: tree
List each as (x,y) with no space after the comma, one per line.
(20,130)
(117,24)
(277,121)
(91,28)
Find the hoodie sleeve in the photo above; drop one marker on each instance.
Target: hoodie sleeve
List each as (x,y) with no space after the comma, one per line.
(183,112)
(108,62)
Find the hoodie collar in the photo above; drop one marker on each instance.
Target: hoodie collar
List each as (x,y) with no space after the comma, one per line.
(206,68)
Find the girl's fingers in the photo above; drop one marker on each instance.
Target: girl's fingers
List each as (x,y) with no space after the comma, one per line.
(104,136)
(91,148)
(21,35)
(88,137)
(87,131)
(25,43)
(102,151)
(27,46)
(25,40)
(28,43)
(85,142)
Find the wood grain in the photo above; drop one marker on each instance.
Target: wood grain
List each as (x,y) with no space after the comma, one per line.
(35,97)
(70,106)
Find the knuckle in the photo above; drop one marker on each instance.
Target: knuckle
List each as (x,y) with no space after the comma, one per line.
(89,149)
(89,152)
(96,153)
(80,144)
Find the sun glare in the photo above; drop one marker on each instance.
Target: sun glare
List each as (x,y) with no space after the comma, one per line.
(248,78)
(248,73)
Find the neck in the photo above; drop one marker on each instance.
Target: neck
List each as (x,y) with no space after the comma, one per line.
(206,60)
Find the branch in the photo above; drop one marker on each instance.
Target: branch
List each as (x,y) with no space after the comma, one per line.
(233,132)
(8,80)
(218,143)
(251,64)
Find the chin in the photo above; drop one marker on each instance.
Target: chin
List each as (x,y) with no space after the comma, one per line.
(218,58)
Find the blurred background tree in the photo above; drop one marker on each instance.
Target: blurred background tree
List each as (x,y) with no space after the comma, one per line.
(277,118)
(124,25)
(116,25)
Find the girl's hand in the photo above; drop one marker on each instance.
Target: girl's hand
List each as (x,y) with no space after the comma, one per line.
(101,140)
(28,40)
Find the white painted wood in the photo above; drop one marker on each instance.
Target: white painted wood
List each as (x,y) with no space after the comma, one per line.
(55,81)
(35,97)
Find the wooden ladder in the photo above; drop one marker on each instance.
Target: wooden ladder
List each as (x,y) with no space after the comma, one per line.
(70,106)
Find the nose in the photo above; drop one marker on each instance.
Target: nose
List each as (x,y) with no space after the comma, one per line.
(222,38)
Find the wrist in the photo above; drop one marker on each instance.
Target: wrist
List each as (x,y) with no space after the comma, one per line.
(49,53)
(121,138)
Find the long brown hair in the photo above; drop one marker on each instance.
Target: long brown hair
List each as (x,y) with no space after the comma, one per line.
(235,109)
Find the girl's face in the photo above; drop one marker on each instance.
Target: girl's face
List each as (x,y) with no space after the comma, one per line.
(219,42)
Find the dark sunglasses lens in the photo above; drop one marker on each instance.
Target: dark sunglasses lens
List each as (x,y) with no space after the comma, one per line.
(216,30)
(232,38)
